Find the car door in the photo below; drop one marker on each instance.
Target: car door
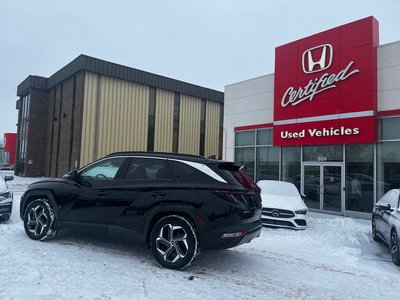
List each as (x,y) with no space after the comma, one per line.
(147,183)
(85,203)
(379,214)
(387,216)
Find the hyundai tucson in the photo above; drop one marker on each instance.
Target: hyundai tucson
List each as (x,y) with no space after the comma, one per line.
(177,204)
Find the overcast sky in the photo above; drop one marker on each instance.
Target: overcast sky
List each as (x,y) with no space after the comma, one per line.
(211,43)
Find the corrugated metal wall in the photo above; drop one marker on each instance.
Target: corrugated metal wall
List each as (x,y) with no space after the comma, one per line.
(115,117)
(116,114)
(189,125)
(163,134)
(212,128)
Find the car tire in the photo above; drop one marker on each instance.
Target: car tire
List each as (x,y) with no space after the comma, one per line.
(374,234)
(39,220)
(394,248)
(174,242)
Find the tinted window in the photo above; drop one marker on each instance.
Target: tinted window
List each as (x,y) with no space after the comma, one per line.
(103,170)
(393,199)
(185,173)
(148,169)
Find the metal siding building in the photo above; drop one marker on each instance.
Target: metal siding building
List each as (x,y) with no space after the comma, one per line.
(91,108)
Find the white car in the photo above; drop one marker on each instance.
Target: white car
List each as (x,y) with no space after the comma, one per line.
(6,198)
(283,206)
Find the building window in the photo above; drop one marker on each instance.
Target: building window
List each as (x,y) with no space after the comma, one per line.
(389,129)
(202,127)
(388,155)
(175,135)
(359,177)
(388,167)
(23,138)
(152,119)
(245,138)
(323,153)
(267,163)
(291,165)
(254,150)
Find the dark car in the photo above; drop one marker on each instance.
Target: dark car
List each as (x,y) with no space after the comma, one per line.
(6,198)
(177,204)
(386,222)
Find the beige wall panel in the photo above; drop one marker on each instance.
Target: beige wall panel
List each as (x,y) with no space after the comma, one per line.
(211,145)
(124,114)
(89,118)
(164,122)
(115,117)
(189,125)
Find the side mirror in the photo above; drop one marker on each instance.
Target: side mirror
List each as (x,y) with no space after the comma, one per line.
(73,175)
(303,196)
(384,207)
(8,177)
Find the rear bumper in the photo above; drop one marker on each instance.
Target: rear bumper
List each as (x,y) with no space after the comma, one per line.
(213,239)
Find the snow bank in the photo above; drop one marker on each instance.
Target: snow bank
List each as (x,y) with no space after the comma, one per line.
(334,258)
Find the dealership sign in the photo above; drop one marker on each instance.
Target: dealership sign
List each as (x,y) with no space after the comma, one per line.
(325,87)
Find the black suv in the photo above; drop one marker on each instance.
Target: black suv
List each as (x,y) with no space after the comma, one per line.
(178,204)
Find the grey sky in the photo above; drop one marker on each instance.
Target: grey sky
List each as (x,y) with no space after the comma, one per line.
(210,43)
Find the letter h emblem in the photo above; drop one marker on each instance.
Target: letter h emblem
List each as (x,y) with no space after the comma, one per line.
(311,63)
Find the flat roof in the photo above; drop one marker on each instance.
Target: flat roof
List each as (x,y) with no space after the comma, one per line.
(95,65)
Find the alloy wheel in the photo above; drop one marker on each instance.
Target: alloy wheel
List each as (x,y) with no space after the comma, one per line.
(394,248)
(38,220)
(172,243)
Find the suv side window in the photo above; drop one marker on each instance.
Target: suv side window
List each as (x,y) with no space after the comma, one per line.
(148,169)
(105,169)
(184,173)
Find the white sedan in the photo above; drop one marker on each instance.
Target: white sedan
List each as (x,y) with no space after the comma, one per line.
(283,206)
(6,198)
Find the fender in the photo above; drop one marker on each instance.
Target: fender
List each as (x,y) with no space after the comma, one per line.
(31,195)
(170,207)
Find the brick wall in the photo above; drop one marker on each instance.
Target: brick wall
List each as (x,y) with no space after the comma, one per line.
(66,106)
(37,134)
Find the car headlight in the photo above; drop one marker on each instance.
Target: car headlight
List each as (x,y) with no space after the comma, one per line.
(5,194)
(301,211)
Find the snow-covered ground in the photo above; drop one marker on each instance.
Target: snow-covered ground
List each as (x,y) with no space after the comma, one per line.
(334,258)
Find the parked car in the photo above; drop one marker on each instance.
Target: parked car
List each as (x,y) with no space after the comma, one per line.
(5,166)
(282,205)
(177,204)
(386,223)
(6,198)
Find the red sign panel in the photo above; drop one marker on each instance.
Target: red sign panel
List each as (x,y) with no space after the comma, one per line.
(10,145)
(10,142)
(326,87)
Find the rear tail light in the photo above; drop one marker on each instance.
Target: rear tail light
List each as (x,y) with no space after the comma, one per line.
(243,199)
(245,180)
(234,197)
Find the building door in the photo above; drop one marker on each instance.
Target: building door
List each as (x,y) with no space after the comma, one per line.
(322,183)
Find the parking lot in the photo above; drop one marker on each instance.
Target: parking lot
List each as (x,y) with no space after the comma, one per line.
(334,258)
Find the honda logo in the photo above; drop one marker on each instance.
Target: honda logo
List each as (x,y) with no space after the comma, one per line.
(317,59)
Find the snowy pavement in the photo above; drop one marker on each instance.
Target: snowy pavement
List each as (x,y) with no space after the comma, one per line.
(334,258)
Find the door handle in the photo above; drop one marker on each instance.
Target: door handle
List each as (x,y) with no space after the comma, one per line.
(158,194)
(102,193)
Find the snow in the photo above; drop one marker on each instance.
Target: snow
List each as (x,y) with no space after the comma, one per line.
(334,258)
